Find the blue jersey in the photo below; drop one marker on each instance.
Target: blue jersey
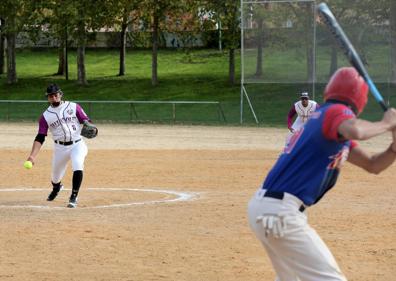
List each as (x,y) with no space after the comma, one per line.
(310,163)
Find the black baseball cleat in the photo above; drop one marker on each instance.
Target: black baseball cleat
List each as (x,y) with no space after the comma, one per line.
(54,193)
(72,201)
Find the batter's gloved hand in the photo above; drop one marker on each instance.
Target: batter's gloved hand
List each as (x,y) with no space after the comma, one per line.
(89,130)
(272,225)
(291,129)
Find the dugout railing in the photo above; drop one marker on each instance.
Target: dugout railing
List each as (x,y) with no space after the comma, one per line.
(124,111)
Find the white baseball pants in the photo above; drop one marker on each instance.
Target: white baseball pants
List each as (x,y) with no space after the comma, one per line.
(297,125)
(295,249)
(62,154)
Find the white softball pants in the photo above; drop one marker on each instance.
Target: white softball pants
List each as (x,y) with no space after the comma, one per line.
(295,249)
(62,154)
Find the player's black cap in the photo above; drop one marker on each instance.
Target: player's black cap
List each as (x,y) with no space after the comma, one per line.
(304,95)
(53,89)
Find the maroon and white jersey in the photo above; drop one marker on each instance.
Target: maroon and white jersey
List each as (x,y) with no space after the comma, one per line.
(303,113)
(63,121)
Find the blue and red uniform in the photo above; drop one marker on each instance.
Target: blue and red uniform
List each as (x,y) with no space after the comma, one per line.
(310,163)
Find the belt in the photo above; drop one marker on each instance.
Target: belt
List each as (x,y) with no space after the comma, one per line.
(67,142)
(279,195)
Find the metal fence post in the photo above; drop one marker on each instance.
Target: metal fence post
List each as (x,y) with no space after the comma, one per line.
(174,112)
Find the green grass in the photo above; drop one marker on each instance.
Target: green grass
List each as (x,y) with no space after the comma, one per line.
(202,76)
(177,79)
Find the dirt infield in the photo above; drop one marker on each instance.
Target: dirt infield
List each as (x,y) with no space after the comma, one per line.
(123,230)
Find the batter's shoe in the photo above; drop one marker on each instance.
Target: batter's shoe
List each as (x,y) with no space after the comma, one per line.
(72,201)
(54,193)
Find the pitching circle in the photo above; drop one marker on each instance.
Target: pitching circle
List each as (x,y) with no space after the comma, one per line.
(177,196)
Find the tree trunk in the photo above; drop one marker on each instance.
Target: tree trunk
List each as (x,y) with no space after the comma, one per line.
(61,59)
(309,42)
(334,60)
(2,48)
(11,62)
(154,63)
(231,71)
(310,64)
(123,39)
(259,66)
(393,41)
(220,34)
(81,76)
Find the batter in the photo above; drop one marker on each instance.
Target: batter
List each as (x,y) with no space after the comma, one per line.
(306,170)
(63,119)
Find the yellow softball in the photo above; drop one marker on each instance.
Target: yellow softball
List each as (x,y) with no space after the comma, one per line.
(28,164)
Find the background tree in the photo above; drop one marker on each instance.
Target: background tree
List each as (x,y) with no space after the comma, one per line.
(58,21)
(231,22)
(86,17)
(304,22)
(228,12)
(157,13)
(186,25)
(10,11)
(126,14)
(2,47)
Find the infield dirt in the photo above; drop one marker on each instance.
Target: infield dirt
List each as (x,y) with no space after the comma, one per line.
(204,239)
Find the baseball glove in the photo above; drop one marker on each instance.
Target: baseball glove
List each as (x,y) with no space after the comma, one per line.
(89,130)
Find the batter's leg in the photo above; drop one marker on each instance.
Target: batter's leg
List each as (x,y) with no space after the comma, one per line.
(304,252)
(282,270)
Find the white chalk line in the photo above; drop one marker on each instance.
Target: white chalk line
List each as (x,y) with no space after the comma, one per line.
(180,196)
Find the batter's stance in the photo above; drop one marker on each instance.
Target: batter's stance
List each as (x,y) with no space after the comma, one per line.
(307,169)
(64,119)
(303,109)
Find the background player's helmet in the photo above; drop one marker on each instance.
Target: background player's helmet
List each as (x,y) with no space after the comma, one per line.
(348,86)
(53,89)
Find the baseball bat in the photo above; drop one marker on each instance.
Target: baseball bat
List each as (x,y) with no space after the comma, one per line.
(349,51)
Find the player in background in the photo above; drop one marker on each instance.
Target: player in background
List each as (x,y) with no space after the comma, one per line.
(63,119)
(303,109)
(307,169)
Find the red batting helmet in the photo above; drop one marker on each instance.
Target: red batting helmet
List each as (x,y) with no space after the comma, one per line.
(348,86)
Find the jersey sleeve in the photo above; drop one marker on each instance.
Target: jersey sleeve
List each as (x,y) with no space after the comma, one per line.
(43,126)
(290,116)
(334,116)
(81,115)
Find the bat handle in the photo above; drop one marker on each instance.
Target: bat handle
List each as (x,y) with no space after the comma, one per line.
(377,95)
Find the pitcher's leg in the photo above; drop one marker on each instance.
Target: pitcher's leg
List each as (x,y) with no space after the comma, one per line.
(59,164)
(78,155)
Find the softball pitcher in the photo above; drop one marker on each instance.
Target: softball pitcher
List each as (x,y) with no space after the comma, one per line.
(307,169)
(67,122)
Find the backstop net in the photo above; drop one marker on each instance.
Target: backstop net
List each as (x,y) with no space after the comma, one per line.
(285,50)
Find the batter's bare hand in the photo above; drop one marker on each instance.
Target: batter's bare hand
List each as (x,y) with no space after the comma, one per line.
(393,145)
(390,118)
(291,130)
